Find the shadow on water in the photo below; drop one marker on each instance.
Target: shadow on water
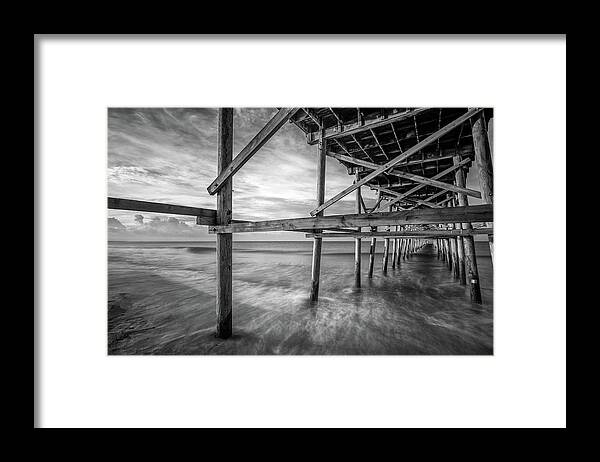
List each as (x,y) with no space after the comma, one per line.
(162,301)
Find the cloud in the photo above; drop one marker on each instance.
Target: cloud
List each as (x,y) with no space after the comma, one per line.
(156,228)
(169,155)
(115,225)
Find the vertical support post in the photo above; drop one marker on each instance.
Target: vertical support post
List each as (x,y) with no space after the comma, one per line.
(357,240)
(460,248)
(386,245)
(372,252)
(483,159)
(471,270)
(398,247)
(454,256)
(394,250)
(224,212)
(317,241)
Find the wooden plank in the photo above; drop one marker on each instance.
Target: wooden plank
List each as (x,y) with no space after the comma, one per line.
(406,234)
(473,213)
(224,244)
(388,165)
(359,128)
(252,147)
(204,216)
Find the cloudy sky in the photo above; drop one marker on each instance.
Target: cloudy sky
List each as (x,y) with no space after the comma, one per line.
(169,155)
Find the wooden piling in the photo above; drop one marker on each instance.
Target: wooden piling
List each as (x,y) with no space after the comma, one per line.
(399,248)
(357,240)
(462,276)
(224,241)
(317,241)
(394,250)
(372,252)
(483,159)
(460,250)
(386,245)
(471,270)
(454,252)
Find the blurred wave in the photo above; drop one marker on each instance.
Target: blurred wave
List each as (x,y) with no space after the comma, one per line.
(161,300)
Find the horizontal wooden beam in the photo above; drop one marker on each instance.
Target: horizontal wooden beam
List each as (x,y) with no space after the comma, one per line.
(407,234)
(367,126)
(252,147)
(388,165)
(467,214)
(205,216)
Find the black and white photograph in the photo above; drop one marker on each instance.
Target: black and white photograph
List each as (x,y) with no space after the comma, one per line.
(327,231)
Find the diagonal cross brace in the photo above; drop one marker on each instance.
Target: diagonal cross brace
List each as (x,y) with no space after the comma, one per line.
(439,175)
(416,148)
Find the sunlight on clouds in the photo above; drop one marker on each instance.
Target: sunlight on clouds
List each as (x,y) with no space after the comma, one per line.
(169,155)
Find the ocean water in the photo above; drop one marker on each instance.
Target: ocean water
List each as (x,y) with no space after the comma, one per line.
(161,300)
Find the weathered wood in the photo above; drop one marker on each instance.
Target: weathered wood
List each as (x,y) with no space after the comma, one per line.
(318,242)
(224,242)
(204,216)
(398,246)
(401,234)
(410,176)
(454,250)
(473,213)
(397,194)
(252,147)
(460,246)
(372,253)
(386,246)
(388,165)
(471,270)
(483,160)
(429,200)
(361,127)
(460,251)
(435,177)
(357,241)
(394,248)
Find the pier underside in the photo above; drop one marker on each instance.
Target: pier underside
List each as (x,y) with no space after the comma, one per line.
(416,160)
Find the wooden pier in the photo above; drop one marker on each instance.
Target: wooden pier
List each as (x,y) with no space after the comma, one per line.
(416,159)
